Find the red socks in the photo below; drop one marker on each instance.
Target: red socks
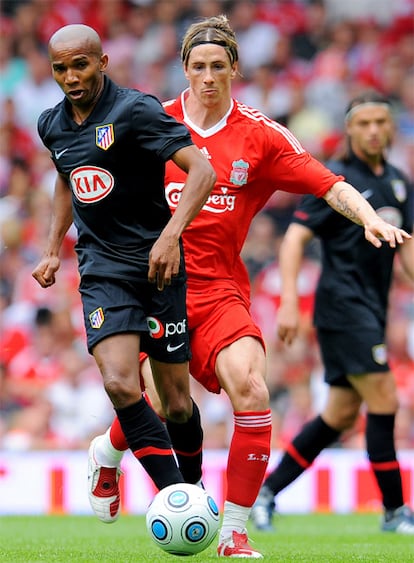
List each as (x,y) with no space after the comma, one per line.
(248,456)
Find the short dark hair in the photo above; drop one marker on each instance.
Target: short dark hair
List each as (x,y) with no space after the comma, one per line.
(214,30)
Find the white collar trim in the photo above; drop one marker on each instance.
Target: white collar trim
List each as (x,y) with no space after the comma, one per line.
(205,132)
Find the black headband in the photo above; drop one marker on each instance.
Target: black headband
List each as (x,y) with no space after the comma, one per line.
(214,41)
(211,42)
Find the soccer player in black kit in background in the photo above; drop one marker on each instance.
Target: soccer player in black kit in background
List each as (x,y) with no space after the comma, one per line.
(350,313)
(109,146)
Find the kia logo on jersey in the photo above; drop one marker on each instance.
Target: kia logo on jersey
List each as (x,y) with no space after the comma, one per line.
(90,183)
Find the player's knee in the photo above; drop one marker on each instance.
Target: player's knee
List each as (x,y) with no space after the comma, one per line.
(383,398)
(341,419)
(178,410)
(384,405)
(389,398)
(120,391)
(348,420)
(250,394)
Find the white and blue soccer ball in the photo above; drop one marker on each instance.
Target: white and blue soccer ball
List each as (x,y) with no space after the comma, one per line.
(183,519)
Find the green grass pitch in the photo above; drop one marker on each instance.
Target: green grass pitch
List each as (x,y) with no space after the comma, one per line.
(315,538)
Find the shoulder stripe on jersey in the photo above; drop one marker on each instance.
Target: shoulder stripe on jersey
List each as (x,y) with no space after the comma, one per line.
(257,115)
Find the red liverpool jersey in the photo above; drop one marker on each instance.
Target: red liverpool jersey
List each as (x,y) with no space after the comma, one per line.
(253,157)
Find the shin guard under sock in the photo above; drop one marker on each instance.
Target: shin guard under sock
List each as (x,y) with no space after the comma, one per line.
(116,434)
(149,442)
(300,453)
(379,435)
(248,456)
(187,441)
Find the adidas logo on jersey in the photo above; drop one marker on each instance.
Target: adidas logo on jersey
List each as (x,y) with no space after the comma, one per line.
(206,153)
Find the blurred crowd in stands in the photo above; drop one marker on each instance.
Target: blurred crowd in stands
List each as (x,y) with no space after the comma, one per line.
(301,62)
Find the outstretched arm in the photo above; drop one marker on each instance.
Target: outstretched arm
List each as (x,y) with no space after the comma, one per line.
(44,273)
(345,199)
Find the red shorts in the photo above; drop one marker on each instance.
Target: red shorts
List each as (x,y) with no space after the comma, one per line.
(218,314)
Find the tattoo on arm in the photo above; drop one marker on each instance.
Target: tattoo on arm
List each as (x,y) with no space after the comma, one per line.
(340,202)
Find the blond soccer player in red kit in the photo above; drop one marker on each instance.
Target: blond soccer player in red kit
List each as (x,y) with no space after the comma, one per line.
(253,157)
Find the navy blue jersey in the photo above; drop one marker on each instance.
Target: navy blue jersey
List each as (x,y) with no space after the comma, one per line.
(355,278)
(115,165)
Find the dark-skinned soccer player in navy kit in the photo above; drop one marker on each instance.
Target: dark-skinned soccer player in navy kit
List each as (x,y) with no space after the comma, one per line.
(109,146)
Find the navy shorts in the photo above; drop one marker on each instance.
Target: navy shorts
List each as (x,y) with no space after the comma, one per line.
(115,306)
(352,353)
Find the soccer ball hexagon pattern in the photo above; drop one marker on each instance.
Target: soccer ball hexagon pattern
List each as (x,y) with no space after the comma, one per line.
(182,519)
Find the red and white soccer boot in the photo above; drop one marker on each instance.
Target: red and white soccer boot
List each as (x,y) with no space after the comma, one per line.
(237,546)
(103,488)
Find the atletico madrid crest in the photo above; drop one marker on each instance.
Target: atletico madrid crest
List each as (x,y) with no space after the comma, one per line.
(96,318)
(379,353)
(105,136)
(399,189)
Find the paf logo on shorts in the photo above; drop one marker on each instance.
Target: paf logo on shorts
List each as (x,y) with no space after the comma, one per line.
(105,136)
(97,318)
(157,329)
(90,183)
